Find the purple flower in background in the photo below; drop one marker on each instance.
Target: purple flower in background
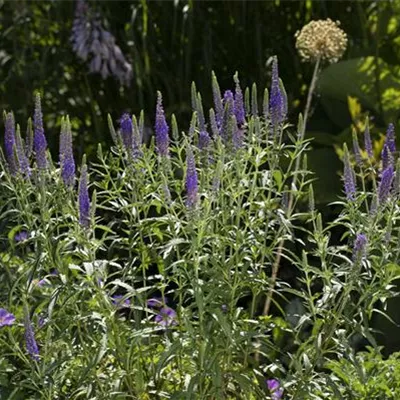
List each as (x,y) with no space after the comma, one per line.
(360,245)
(275,389)
(348,176)
(117,301)
(21,236)
(191,180)
(390,138)
(67,161)
(276,102)
(385,184)
(6,318)
(368,142)
(10,142)
(238,103)
(23,161)
(30,341)
(166,317)
(161,129)
(83,198)
(91,41)
(39,139)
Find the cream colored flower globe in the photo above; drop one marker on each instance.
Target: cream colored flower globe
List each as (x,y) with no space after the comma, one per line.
(322,39)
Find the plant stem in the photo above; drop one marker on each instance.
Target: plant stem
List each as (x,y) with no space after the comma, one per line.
(275,267)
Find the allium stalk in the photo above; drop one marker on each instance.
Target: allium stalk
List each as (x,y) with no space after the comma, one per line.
(348,176)
(192,187)
(276,104)
(10,143)
(385,184)
(67,162)
(161,129)
(30,341)
(83,197)
(39,139)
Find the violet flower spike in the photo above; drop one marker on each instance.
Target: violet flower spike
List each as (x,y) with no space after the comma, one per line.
(385,184)
(275,389)
(368,142)
(238,103)
(126,131)
(360,245)
(166,317)
(391,138)
(161,129)
(276,103)
(83,198)
(23,161)
(30,341)
(10,143)
(387,158)
(356,149)
(67,162)
(191,180)
(219,108)
(348,176)
(204,140)
(228,112)
(39,139)
(6,318)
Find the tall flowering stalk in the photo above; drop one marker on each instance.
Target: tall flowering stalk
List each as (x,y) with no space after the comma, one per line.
(39,139)
(348,176)
(238,102)
(67,162)
(83,197)
(10,143)
(390,138)
(228,112)
(23,162)
(30,341)
(161,129)
(385,184)
(218,106)
(192,186)
(359,248)
(126,132)
(368,141)
(276,103)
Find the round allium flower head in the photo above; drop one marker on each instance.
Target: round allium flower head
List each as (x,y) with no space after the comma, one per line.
(6,318)
(322,39)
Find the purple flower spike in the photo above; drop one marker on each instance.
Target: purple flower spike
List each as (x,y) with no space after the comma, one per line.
(276,102)
(30,341)
(391,138)
(10,142)
(83,198)
(360,245)
(368,142)
(126,131)
(6,318)
(67,161)
(348,176)
(161,129)
(39,140)
(385,184)
(219,108)
(275,389)
(239,105)
(166,317)
(228,113)
(387,158)
(204,140)
(191,180)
